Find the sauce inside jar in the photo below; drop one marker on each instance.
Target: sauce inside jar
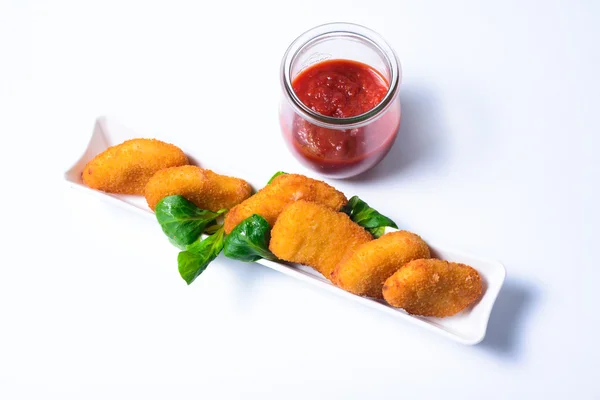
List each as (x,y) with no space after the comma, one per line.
(342,89)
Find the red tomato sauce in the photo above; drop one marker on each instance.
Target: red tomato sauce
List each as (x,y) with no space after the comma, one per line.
(342,89)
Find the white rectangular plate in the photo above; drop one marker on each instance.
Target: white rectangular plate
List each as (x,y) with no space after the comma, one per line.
(467,327)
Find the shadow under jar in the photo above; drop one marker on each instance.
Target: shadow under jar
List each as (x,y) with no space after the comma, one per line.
(340,112)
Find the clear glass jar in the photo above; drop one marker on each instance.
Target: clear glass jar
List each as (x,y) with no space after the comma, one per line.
(340,147)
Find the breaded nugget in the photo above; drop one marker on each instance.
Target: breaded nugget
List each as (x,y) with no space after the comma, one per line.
(365,271)
(270,201)
(433,287)
(203,187)
(127,167)
(315,235)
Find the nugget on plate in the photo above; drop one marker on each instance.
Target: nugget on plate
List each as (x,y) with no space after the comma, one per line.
(203,187)
(365,271)
(127,167)
(432,287)
(270,201)
(315,235)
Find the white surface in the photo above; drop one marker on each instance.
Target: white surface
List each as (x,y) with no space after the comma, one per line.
(497,156)
(467,327)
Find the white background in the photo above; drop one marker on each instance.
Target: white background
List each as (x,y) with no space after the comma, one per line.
(497,155)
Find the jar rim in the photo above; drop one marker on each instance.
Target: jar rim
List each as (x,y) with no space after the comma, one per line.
(353,31)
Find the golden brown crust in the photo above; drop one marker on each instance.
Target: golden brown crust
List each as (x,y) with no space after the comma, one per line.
(365,271)
(206,189)
(315,235)
(127,167)
(432,287)
(270,201)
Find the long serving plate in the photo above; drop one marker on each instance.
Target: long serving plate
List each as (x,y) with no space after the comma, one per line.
(467,327)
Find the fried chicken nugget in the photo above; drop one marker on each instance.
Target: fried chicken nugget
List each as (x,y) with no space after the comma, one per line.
(432,287)
(127,167)
(270,201)
(315,235)
(365,271)
(203,187)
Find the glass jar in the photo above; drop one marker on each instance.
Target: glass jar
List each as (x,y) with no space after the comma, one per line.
(340,147)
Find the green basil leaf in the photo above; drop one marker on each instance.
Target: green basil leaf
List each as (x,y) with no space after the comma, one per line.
(182,221)
(249,241)
(367,217)
(178,245)
(195,259)
(212,228)
(377,232)
(276,175)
